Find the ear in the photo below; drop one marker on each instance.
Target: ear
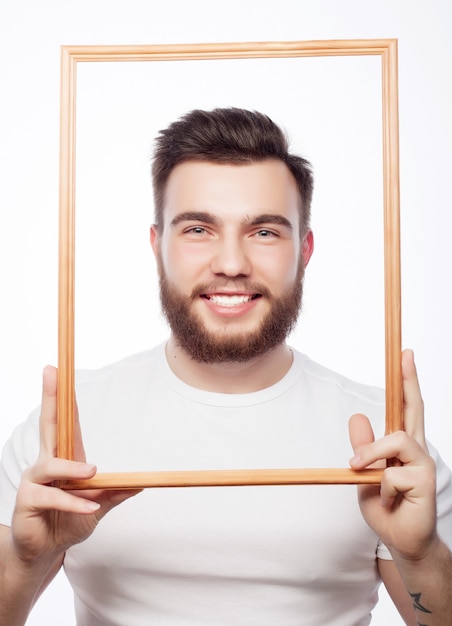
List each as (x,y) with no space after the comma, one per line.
(307,246)
(154,239)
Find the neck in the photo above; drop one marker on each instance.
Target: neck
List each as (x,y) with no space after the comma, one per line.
(230,377)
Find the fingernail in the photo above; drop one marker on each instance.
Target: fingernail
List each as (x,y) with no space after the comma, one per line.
(92,506)
(87,467)
(355,460)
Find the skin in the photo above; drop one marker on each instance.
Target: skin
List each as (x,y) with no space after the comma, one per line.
(215,235)
(403,511)
(47,520)
(232,246)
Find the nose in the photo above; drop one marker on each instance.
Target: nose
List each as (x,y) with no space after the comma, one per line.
(230,257)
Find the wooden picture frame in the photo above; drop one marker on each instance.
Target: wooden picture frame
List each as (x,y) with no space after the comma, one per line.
(386,49)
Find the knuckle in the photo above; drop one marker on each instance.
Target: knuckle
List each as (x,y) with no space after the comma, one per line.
(400,439)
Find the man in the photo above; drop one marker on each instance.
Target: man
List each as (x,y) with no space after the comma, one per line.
(232,241)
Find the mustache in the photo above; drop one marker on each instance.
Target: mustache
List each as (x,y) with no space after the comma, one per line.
(234,285)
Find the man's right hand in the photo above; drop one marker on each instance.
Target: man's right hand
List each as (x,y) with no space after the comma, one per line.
(47,520)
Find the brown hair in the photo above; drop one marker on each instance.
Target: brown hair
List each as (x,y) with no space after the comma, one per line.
(228,135)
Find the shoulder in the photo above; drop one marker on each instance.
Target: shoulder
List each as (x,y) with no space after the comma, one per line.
(146,361)
(320,377)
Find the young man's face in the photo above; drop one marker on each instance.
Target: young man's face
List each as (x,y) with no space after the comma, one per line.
(230,258)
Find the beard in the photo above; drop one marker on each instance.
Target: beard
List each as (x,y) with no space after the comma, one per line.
(205,346)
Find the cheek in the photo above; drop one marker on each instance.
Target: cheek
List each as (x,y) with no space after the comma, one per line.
(184,262)
(279,269)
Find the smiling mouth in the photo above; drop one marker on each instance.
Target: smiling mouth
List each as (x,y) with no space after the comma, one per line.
(232,300)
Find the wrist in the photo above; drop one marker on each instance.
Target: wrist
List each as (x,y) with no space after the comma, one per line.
(427,567)
(425,553)
(30,565)
(21,581)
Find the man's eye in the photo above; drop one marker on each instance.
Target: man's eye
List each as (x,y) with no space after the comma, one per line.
(264,233)
(196,230)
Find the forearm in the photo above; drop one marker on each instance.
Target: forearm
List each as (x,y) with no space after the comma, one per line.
(429,583)
(21,583)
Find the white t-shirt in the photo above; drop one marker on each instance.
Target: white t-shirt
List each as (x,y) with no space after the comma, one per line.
(224,556)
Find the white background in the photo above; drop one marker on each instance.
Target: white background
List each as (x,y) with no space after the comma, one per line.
(30,38)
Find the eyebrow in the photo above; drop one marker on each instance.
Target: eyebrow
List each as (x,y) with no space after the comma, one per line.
(195,216)
(270,218)
(208,218)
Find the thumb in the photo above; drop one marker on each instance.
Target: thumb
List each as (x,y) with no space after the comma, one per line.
(360,432)
(361,436)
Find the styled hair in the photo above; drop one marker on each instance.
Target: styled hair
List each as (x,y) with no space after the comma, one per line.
(226,135)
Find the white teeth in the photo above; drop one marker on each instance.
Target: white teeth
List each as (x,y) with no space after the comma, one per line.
(229,300)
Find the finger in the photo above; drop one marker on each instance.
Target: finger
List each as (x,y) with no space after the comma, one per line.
(53,469)
(34,498)
(398,445)
(361,437)
(105,500)
(360,431)
(413,413)
(47,498)
(411,482)
(48,418)
(36,486)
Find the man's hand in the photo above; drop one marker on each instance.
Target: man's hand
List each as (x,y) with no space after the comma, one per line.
(48,520)
(403,511)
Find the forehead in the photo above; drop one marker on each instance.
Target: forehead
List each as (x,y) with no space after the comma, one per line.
(231,190)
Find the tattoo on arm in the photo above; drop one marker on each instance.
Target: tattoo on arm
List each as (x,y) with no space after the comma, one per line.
(416,597)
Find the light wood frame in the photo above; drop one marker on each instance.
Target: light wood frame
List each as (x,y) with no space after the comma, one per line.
(71,56)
